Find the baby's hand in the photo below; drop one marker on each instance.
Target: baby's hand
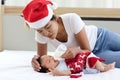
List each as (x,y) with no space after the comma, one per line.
(55,72)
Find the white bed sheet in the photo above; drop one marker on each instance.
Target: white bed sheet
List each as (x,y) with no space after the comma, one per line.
(16,65)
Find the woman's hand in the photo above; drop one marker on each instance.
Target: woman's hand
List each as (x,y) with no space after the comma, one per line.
(35,64)
(72,52)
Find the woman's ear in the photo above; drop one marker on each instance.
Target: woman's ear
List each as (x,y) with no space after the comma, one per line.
(49,69)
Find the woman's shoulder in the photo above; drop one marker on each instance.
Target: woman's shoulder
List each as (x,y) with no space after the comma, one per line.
(70,17)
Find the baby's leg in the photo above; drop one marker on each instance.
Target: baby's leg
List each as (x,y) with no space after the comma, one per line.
(109,66)
(104,67)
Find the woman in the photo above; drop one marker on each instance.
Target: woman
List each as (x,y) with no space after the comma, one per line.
(71,31)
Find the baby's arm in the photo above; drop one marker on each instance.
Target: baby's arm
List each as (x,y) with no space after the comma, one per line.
(56,72)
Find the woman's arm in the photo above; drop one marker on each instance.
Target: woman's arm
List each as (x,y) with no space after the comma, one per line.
(41,49)
(82,40)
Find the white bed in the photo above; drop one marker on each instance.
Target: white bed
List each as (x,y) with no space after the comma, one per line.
(16,65)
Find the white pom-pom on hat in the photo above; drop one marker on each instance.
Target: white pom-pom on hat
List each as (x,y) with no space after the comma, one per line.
(54,6)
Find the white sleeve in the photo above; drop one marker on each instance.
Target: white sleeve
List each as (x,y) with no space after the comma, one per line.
(76,23)
(39,38)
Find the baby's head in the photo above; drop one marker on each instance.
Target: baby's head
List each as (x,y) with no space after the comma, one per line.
(43,69)
(47,62)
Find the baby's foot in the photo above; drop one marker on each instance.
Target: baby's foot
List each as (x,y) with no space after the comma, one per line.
(110,66)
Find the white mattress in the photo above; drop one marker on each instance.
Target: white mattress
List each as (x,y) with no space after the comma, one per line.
(16,65)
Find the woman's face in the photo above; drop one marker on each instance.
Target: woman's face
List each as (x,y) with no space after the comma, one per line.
(50,30)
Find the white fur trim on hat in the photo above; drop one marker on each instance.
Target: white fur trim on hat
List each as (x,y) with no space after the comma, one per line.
(41,23)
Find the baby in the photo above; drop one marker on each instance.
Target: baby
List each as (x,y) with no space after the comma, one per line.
(67,67)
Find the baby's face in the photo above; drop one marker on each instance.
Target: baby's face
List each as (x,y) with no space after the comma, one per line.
(48,61)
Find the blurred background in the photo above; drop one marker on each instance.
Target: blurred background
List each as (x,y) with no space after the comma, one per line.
(17,37)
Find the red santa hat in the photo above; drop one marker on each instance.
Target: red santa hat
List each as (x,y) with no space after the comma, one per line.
(38,13)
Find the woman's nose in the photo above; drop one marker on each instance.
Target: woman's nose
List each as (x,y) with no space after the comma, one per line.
(46,33)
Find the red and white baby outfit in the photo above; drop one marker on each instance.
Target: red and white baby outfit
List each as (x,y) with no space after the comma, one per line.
(82,60)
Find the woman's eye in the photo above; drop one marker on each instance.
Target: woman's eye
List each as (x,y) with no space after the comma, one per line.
(40,31)
(47,27)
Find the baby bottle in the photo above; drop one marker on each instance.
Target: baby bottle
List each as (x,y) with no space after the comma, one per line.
(60,50)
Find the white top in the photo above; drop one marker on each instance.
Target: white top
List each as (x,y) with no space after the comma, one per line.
(73,25)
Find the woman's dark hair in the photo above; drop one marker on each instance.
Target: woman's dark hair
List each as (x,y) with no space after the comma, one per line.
(53,17)
(43,69)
